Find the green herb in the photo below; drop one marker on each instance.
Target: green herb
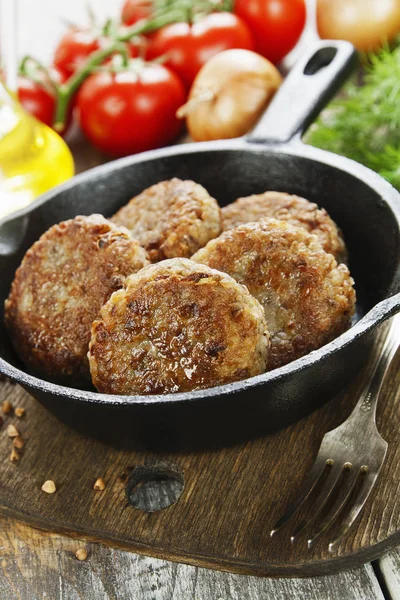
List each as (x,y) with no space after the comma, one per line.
(364,123)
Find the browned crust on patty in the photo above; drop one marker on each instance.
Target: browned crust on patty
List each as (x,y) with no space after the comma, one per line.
(173,218)
(58,290)
(293,209)
(307,298)
(177,326)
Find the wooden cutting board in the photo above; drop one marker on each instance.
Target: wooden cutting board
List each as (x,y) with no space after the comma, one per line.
(231,498)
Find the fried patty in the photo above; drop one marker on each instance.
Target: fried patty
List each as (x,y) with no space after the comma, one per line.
(171,219)
(307,298)
(177,326)
(63,281)
(293,209)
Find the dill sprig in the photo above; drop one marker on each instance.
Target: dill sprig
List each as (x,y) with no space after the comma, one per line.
(363,122)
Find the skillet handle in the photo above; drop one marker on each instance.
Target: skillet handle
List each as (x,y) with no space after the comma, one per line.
(315,78)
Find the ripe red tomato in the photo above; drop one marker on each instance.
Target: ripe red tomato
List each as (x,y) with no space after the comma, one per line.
(135,10)
(74,48)
(39,99)
(188,47)
(276,24)
(36,99)
(127,112)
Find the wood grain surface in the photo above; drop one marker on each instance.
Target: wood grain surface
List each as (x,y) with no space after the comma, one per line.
(230,500)
(389,566)
(39,566)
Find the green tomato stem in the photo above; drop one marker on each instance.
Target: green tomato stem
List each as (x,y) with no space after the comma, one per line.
(148,25)
(65,92)
(30,66)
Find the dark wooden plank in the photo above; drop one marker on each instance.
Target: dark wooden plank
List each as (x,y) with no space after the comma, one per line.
(230,500)
(37,566)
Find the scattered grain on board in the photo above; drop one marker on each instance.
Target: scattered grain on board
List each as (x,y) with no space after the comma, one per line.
(6,406)
(14,456)
(99,485)
(49,487)
(18,442)
(81,554)
(12,431)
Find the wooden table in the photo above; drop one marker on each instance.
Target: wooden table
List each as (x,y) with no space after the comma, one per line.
(35,565)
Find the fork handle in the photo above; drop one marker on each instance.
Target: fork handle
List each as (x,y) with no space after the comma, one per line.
(370,394)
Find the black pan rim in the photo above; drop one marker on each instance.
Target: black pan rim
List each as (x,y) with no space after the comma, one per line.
(372,319)
(294,147)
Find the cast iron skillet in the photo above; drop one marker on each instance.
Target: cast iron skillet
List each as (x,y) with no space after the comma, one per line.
(271,158)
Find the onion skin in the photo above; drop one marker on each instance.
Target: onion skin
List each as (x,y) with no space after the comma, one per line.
(365,23)
(238,86)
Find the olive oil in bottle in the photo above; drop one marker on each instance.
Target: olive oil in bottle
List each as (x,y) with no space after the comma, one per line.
(33,157)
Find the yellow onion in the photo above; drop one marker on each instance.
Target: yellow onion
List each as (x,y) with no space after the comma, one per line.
(229,95)
(365,23)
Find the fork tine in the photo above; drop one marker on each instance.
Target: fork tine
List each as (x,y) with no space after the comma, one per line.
(338,504)
(308,485)
(321,500)
(359,502)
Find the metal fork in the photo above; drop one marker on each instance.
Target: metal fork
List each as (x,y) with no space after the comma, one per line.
(352,451)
